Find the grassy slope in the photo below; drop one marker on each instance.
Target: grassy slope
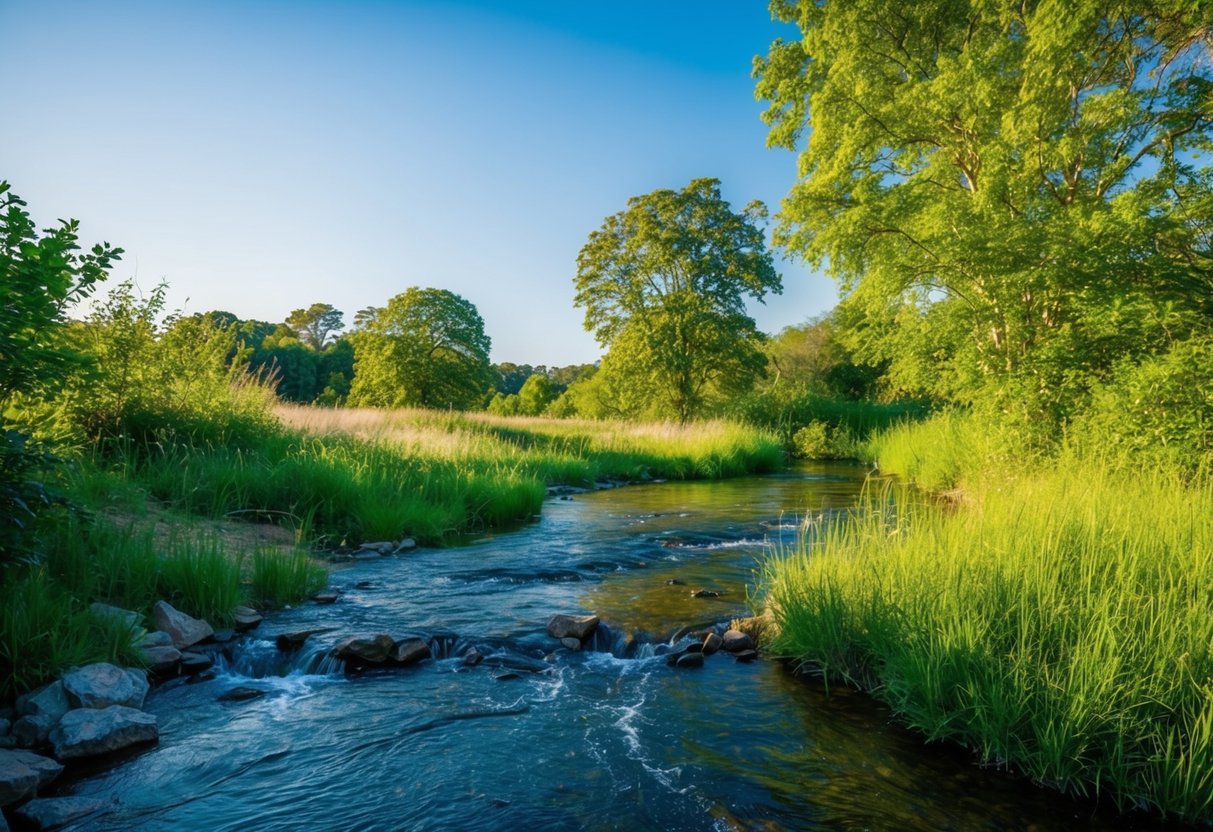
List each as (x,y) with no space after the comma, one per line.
(1060,621)
(333,475)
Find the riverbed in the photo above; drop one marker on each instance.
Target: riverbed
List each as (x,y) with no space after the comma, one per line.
(606,738)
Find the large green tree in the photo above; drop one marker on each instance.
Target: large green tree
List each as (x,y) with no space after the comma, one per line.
(664,285)
(427,348)
(1014,195)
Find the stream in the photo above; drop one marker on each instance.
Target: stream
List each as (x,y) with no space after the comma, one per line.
(606,738)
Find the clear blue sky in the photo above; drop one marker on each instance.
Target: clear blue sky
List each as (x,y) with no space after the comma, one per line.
(261,156)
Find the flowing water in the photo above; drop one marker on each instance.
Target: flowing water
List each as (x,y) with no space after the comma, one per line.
(607,738)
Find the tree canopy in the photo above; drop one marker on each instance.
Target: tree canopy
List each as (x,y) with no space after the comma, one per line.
(664,284)
(426,348)
(1013,195)
(314,325)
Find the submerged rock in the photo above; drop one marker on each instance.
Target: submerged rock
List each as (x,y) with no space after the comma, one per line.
(746,655)
(185,630)
(572,626)
(102,684)
(192,663)
(325,597)
(241,694)
(369,649)
(52,812)
(570,643)
(705,593)
(90,732)
(22,773)
(472,657)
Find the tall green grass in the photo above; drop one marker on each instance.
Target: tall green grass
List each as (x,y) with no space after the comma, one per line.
(1060,623)
(46,626)
(360,475)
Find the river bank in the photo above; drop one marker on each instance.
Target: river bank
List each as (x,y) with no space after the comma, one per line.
(1056,621)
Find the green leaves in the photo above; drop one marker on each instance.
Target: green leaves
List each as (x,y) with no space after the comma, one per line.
(988,179)
(664,285)
(427,348)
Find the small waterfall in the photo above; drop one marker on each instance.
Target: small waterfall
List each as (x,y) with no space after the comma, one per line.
(260,659)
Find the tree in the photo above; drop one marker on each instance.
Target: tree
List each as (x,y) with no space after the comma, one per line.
(427,348)
(314,325)
(1012,195)
(663,285)
(536,394)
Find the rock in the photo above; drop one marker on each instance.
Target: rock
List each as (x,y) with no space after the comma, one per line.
(409,651)
(695,647)
(162,660)
(506,676)
(49,700)
(294,640)
(570,643)
(368,649)
(185,630)
(5,726)
(102,684)
(690,660)
(130,618)
(223,636)
(192,663)
(675,582)
(745,655)
(156,638)
(514,661)
(205,676)
(575,626)
(472,657)
(406,545)
(32,731)
(735,641)
(53,812)
(245,619)
(381,547)
(364,585)
(705,593)
(365,554)
(711,643)
(22,773)
(241,694)
(89,732)
(325,597)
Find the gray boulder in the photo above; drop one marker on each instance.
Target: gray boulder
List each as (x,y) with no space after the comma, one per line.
(50,700)
(409,651)
(246,618)
(53,812)
(162,660)
(711,643)
(89,732)
(32,731)
(185,630)
(22,773)
(572,626)
(102,684)
(156,638)
(735,641)
(365,649)
(406,545)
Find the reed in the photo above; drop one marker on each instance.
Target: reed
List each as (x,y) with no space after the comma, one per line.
(1060,623)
